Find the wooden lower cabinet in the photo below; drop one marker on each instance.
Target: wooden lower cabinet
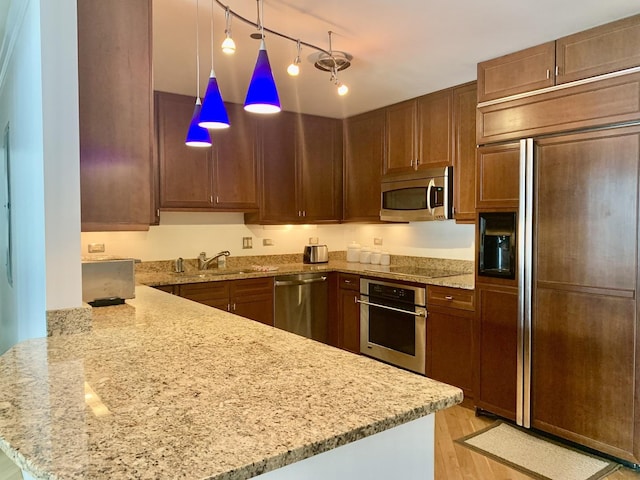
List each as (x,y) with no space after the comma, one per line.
(347,313)
(172,289)
(496,340)
(450,337)
(251,298)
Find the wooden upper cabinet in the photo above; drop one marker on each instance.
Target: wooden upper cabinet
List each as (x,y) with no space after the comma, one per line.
(517,72)
(604,49)
(597,51)
(363,163)
(434,133)
(464,152)
(235,178)
(319,152)
(497,176)
(218,178)
(186,173)
(278,172)
(116,114)
(419,133)
(400,131)
(300,160)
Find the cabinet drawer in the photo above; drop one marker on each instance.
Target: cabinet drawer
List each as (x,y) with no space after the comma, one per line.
(203,291)
(251,286)
(450,297)
(348,282)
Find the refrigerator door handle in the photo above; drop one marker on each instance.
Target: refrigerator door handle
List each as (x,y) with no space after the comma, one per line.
(523,391)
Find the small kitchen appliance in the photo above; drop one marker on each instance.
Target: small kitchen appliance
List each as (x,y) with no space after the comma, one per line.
(107,281)
(315,254)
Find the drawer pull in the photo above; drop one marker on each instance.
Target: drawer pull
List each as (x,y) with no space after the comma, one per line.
(347,281)
(448,297)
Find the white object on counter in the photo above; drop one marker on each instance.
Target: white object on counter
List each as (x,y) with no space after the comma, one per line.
(365,255)
(385,258)
(376,256)
(353,252)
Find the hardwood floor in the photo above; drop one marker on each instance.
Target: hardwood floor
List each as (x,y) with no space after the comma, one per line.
(455,462)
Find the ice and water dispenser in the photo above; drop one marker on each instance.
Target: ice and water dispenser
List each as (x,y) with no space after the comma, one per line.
(497,244)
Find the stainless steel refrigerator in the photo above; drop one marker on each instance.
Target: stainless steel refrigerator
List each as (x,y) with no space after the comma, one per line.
(577,277)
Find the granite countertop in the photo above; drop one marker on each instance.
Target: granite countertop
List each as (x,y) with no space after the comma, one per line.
(167,277)
(163,387)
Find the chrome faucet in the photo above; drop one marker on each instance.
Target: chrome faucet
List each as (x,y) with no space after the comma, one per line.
(204,262)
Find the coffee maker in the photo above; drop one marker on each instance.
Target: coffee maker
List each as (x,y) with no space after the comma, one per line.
(497,244)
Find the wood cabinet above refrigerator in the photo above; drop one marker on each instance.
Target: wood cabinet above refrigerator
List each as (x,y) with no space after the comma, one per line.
(597,51)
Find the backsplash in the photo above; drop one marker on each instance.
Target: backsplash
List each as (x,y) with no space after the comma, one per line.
(183,234)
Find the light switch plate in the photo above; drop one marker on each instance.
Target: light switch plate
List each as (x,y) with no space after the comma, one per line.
(247,242)
(377,240)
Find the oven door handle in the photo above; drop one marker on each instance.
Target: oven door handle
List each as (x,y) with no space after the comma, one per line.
(386,307)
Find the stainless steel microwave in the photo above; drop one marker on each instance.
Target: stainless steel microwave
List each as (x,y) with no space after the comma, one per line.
(427,195)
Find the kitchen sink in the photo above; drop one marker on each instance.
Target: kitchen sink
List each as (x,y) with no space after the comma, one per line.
(210,273)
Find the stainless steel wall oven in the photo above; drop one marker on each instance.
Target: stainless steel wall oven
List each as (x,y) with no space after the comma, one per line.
(393,323)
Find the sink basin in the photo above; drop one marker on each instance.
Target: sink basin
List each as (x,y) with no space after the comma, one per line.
(209,273)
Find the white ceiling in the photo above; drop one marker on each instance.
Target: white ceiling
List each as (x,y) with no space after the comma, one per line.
(401,48)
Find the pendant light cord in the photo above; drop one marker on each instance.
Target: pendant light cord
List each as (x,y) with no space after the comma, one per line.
(211,34)
(198,48)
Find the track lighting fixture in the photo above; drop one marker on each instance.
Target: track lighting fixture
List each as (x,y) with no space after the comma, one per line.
(228,45)
(294,68)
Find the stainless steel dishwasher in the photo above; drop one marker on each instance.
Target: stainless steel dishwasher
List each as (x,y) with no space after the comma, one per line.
(301,304)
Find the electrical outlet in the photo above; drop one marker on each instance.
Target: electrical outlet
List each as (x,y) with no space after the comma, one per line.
(247,242)
(313,240)
(267,242)
(377,240)
(96,248)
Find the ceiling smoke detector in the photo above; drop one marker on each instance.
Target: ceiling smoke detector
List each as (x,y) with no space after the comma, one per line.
(336,60)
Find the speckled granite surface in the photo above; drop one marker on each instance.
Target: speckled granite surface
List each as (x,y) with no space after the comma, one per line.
(459,272)
(163,387)
(67,321)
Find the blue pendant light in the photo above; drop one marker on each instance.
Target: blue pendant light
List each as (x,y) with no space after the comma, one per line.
(262,96)
(196,135)
(213,114)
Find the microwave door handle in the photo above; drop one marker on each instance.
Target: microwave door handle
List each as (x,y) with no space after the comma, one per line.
(432,184)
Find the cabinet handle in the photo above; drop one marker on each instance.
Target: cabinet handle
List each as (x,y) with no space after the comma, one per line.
(304,213)
(217,199)
(228,307)
(448,297)
(548,74)
(234,307)
(347,281)
(557,70)
(417,162)
(211,199)
(355,299)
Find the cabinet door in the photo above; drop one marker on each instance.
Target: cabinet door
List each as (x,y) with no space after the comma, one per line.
(435,124)
(585,323)
(235,164)
(496,338)
(252,298)
(464,152)
(517,72)
(319,151)
(400,128)
(116,114)
(363,164)
(186,173)
(350,316)
(278,170)
(497,176)
(449,347)
(599,50)
(214,294)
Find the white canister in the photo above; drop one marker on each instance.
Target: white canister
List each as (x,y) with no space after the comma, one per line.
(353,252)
(385,258)
(376,256)
(365,255)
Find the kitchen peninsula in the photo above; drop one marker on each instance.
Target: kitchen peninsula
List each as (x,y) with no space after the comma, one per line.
(167,388)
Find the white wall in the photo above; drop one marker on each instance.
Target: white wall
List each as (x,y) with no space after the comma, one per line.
(38,98)
(187,234)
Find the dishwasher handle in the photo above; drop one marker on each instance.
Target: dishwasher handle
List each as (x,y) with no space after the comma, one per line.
(288,283)
(387,307)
